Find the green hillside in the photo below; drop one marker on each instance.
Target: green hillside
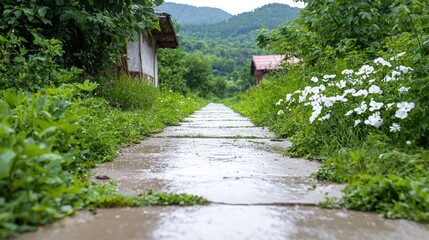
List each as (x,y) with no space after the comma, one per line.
(189,15)
(270,15)
(227,46)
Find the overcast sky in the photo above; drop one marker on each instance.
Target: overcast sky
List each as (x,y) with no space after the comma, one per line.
(235,6)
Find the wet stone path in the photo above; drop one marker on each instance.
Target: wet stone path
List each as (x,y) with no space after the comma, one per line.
(257,193)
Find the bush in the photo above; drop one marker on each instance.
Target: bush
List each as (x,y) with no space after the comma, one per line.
(31,69)
(127,93)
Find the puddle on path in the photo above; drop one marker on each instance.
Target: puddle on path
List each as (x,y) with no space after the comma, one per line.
(212,155)
(229,222)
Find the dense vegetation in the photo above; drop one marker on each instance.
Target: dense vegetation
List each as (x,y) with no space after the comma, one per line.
(56,124)
(357,102)
(241,26)
(187,14)
(226,46)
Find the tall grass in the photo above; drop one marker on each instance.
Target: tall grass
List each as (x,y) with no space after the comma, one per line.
(128,93)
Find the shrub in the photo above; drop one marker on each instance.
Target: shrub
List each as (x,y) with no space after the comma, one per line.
(130,94)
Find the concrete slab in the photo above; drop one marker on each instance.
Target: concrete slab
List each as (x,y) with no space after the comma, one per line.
(237,171)
(229,222)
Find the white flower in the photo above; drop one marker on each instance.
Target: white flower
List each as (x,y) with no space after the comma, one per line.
(389,106)
(395,127)
(341,84)
(375,90)
(350,91)
(329,76)
(341,98)
(326,117)
(396,74)
(329,101)
(361,92)
(374,120)
(407,106)
(408,142)
(349,113)
(315,114)
(347,72)
(314,79)
(403,89)
(387,79)
(401,114)
(279,102)
(288,97)
(363,107)
(280,112)
(398,56)
(322,87)
(375,105)
(315,90)
(382,62)
(365,69)
(403,109)
(357,122)
(404,69)
(316,99)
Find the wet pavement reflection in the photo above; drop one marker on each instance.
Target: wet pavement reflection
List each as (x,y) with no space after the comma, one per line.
(257,192)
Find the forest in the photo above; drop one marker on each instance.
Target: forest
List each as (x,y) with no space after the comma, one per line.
(225,46)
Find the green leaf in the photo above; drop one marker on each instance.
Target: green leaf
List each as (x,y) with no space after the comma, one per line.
(18,13)
(6,162)
(5,130)
(42,11)
(47,131)
(158,2)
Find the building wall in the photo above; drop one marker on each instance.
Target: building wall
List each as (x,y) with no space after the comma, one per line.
(142,58)
(134,56)
(148,57)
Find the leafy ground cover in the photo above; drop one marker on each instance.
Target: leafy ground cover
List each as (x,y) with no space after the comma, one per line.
(357,102)
(52,138)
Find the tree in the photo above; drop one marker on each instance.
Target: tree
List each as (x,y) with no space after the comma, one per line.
(172,69)
(93,33)
(198,73)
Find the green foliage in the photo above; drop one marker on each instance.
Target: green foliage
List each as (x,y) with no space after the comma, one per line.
(198,73)
(107,196)
(32,69)
(49,140)
(93,33)
(172,69)
(189,72)
(151,198)
(383,157)
(130,94)
(243,24)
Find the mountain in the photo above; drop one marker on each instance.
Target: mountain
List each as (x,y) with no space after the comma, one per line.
(190,15)
(270,15)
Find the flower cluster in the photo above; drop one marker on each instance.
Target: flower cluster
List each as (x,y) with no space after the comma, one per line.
(365,95)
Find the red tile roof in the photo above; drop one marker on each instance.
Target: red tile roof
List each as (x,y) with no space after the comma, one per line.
(270,62)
